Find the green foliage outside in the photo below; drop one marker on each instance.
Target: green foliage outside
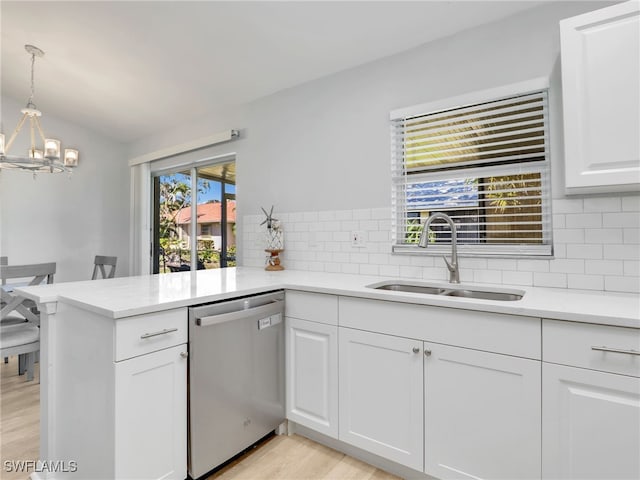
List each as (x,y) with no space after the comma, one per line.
(414,228)
(175,194)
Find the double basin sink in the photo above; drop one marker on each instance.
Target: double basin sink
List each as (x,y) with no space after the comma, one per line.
(449,290)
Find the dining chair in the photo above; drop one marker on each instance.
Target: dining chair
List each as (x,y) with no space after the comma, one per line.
(18,329)
(102,261)
(6,319)
(37,273)
(4,261)
(22,340)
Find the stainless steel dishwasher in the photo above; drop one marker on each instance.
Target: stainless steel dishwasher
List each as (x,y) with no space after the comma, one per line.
(236,377)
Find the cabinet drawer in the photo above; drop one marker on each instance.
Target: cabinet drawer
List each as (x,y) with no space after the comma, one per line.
(491,332)
(147,333)
(317,307)
(590,346)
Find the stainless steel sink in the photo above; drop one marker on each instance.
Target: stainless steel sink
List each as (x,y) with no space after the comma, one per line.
(401,287)
(484,295)
(449,290)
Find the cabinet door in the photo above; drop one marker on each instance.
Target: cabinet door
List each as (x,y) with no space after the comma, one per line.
(151,416)
(381,398)
(600,78)
(482,414)
(591,424)
(312,375)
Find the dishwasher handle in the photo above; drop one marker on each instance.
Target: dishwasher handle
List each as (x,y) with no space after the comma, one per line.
(261,311)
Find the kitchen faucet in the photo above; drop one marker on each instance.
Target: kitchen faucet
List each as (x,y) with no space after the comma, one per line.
(454,272)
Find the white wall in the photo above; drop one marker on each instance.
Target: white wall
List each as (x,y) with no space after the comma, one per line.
(324,146)
(54,218)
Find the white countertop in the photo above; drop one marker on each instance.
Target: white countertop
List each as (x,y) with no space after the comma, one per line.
(128,296)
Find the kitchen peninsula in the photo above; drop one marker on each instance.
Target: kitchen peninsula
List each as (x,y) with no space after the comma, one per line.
(93,412)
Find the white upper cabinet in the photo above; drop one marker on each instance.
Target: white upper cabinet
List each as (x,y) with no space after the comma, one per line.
(601,97)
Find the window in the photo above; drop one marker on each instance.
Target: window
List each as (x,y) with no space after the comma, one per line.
(212,209)
(485,164)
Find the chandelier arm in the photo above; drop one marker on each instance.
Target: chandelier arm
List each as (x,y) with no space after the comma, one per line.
(33,88)
(33,135)
(39,126)
(15,133)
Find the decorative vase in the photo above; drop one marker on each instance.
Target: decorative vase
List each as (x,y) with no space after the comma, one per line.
(274,237)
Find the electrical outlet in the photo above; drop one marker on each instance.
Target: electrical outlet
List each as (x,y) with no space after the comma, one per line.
(356,239)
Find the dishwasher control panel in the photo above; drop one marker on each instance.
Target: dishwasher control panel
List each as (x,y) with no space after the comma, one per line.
(269,321)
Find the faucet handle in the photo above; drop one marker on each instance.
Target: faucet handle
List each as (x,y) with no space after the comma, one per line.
(452,268)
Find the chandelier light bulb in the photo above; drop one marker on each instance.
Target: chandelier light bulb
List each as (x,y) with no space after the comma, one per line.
(70,157)
(52,148)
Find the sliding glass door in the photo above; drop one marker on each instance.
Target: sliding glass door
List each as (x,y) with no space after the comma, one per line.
(188,238)
(217,215)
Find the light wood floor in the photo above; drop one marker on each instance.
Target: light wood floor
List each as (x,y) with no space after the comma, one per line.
(298,458)
(280,458)
(19,417)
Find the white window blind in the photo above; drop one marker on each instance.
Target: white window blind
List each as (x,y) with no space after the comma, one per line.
(486,165)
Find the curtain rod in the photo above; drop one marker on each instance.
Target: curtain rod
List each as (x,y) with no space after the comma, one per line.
(208,141)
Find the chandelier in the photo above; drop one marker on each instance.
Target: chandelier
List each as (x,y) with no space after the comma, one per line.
(37,159)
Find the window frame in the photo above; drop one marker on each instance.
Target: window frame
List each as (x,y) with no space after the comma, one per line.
(399,213)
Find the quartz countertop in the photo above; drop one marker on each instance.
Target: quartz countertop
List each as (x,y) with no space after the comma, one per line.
(127,296)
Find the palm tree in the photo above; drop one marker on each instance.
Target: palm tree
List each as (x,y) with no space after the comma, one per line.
(175,194)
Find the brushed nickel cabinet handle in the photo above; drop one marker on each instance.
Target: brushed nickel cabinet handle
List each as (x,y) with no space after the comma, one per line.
(416,350)
(615,350)
(161,332)
(427,353)
(184,354)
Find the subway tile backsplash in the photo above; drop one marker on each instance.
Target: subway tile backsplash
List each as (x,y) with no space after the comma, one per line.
(596,247)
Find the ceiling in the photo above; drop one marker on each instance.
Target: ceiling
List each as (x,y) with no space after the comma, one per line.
(225,172)
(131,69)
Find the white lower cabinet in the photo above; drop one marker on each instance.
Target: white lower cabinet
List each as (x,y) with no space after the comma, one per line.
(427,388)
(591,423)
(482,414)
(312,375)
(150,415)
(590,401)
(381,395)
(117,404)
